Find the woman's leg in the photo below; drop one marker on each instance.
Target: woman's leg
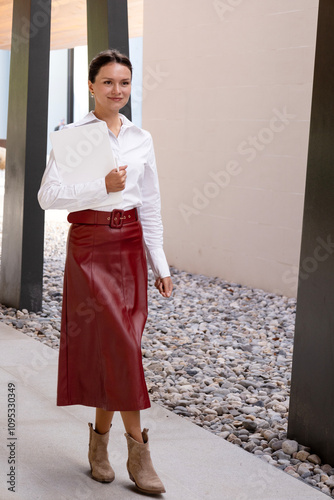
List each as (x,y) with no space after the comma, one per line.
(131,421)
(103,419)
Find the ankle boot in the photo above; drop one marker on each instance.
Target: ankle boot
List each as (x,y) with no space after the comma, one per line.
(140,467)
(98,456)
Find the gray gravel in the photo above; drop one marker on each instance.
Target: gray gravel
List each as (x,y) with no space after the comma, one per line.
(217,353)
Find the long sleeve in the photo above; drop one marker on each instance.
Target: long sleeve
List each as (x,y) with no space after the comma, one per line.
(54,194)
(150,217)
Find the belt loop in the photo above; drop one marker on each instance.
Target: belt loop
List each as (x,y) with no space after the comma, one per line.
(116,219)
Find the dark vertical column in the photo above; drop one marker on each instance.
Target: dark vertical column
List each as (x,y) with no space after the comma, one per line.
(107,28)
(70,85)
(23,223)
(311,413)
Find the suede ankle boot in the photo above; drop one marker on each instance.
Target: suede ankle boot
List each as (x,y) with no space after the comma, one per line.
(98,456)
(140,467)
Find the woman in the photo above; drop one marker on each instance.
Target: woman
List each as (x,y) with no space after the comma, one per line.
(105,283)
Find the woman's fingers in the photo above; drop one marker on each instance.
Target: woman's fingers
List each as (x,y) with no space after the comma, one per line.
(165,286)
(115,180)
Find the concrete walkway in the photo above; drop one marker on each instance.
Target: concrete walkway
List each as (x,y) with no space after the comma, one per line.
(51,447)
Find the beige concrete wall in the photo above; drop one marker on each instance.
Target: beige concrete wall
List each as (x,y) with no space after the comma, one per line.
(227,98)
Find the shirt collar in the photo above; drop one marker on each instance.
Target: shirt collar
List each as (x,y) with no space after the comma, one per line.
(90,117)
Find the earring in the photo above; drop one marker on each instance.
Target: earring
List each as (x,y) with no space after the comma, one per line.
(92,95)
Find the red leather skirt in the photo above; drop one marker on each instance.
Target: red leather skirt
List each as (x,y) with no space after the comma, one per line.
(103,318)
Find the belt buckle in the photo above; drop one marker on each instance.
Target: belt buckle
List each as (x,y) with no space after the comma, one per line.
(116,219)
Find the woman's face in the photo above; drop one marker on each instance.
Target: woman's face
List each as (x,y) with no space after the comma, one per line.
(112,87)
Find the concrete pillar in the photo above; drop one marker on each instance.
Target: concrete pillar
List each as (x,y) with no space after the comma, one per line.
(311,413)
(107,28)
(23,222)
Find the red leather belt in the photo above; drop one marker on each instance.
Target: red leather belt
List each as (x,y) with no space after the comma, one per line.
(115,219)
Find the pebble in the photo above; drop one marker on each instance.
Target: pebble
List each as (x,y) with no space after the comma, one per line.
(314,459)
(330,482)
(269,435)
(217,353)
(250,425)
(302,455)
(277,445)
(280,455)
(303,468)
(289,446)
(328,469)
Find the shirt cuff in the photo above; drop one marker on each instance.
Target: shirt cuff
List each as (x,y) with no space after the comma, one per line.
(158,262)
(90,195)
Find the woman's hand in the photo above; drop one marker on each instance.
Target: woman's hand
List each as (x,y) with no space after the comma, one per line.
(115,181)
(165,286)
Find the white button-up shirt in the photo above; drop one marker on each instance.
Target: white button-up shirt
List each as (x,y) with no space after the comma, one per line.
(132,147)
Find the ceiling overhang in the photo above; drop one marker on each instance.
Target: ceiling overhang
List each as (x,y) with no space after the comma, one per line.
(68,22)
